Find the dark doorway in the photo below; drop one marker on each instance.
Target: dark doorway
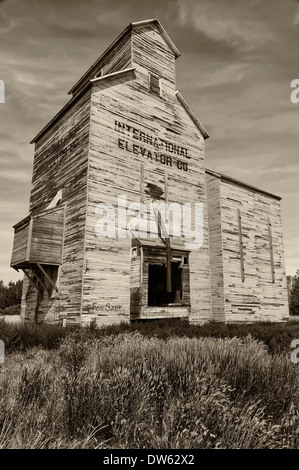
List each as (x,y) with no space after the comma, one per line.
(157,277)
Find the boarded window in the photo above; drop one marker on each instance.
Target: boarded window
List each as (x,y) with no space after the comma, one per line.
(155,84)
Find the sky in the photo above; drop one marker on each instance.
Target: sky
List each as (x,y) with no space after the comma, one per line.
(238,58)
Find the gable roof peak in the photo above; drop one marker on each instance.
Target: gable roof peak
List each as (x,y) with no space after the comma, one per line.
(130,27)
(140,24)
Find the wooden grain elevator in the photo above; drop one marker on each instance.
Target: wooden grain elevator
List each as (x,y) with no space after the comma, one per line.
(126,223)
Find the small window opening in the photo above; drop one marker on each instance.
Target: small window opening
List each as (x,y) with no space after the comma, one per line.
(155,84)
(157,283)
(98,74)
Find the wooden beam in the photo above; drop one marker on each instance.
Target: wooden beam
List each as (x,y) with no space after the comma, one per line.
(166,240)
(168,265)
(39,279)
(30,278)
(47,276)
(271,249)
(241,246)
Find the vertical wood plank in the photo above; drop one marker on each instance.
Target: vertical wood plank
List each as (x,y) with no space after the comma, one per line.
(271,249)
(241,246)
(142,189)
(29,240)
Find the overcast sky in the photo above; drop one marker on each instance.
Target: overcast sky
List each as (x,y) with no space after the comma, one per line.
(238,58)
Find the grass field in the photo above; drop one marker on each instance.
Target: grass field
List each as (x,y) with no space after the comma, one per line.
(154,385)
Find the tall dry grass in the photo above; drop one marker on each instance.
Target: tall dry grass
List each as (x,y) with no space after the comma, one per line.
(129,391)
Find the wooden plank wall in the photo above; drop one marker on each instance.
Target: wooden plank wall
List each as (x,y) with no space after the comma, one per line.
(20,244)
(114,169)
(119,58)
(47,237)
(60,162)
(257,297)
(215,244)
(151,53)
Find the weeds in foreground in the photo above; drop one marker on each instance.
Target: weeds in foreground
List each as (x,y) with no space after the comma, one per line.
(130,391)
(276,336)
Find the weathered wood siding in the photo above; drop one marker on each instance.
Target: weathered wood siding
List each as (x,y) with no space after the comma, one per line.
(256,297)
(125,120)
(47,237)
(39,240)
(127,137)
(60,163)
(119,58)
(136,278)
(20,244)
(216,248)
(152,54)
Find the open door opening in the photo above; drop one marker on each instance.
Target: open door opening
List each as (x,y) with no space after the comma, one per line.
(157,285)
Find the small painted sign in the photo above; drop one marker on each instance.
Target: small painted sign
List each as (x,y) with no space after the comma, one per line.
(151,147)
(94,308)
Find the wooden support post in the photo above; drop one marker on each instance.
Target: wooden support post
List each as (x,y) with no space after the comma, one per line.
(47,276)
(39,279)
(271,249)
(164,235)
(241,246)
(39,292)
(30,278)
(168,261)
